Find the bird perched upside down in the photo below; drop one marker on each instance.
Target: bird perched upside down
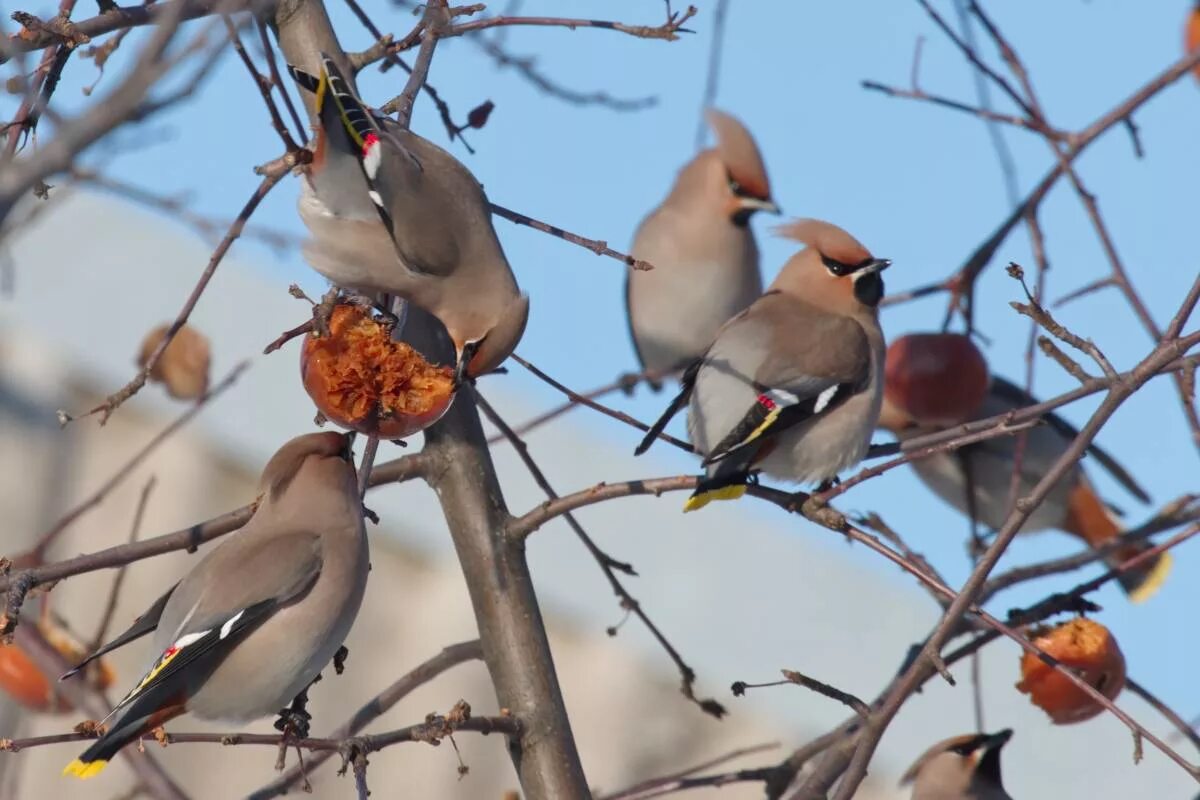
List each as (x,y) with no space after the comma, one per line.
(391,212)
(251,626)
(792,385)
(1073,506)
(703,251)
(963,767)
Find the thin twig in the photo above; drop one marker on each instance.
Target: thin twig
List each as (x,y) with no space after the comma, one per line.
(115,400)
(597,246)
(48,538)
(820,687)
(110,605)
(603,409)
(714,69)
(608,565)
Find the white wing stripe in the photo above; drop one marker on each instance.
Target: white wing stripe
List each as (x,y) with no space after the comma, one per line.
(228,626)
(824,399)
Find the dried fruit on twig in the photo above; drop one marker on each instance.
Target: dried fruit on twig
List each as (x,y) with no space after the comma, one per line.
(21,679)
(360,378)
(183,367)
(935,378)
(1086,647)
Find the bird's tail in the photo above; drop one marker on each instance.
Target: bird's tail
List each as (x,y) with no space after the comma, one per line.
(125,730)
(718,485)
(1089,519)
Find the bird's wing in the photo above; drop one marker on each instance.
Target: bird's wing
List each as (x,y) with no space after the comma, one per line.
(232,592)
(686,382)
(144,624)
(813,362)
(338,106)
(1019,398)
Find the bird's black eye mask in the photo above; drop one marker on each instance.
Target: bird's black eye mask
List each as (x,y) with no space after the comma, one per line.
(969,746)
(741,217)
(840,269)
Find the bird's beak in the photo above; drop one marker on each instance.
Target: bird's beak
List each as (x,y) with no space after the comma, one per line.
(758,204)
(465,357)
(347,453)
(877,265)
(997,740)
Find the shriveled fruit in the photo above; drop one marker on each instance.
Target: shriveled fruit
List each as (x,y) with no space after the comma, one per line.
(360,378)
(183,366)
(21,679)
(935,378)
(1085,646)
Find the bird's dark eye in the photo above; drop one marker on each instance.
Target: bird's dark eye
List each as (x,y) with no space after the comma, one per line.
(969,746)
(835,266)
(735,187)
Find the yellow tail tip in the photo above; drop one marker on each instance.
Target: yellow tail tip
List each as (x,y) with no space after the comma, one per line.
(89,769)
(1153,581)
(701,499)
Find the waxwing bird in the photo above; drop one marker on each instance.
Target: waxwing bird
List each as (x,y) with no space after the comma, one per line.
(792,385)
(390,212)
(703,251)
(963,767)
(1072,506)
(254,622)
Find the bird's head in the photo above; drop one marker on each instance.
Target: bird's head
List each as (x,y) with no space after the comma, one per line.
(289,459)
(483,354)
(835,271)
(963,766)
(745,188)
(728,179)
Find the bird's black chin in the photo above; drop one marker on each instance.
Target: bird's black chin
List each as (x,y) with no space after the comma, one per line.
(741,217)
(868,289)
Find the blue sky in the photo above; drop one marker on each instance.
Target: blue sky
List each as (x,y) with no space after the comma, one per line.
(916,183)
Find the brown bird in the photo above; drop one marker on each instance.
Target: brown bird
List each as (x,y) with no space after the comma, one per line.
(391,212)
(1073,506)
(703,251)
(792,385)
(960,768)
(258,618)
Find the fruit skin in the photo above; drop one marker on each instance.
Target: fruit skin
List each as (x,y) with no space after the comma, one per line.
(935,378)
(1191,36)
(1085,646)
(21,679)
(183,367)
(361,379)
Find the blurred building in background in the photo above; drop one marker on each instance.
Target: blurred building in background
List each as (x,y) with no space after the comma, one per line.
(740,589)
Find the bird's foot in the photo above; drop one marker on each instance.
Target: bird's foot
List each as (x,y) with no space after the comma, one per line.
(323,310)
(827,484)
(294,720)
(628,381)
(339,659)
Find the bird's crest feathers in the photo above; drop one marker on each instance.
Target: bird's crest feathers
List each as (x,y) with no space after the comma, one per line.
(826,238)
(739,153)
